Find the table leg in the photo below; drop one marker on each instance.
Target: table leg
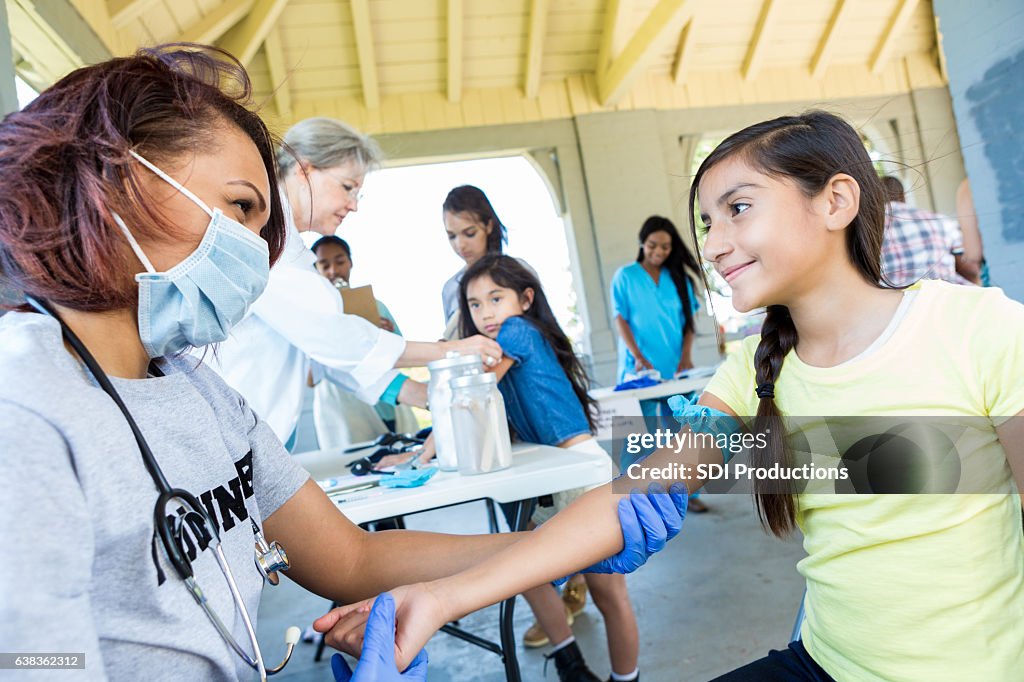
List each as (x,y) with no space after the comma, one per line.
(492,516)
(506,611)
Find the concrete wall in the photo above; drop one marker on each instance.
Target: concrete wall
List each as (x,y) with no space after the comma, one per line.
(983,42)
(616,168)
(8,94)
(8,103)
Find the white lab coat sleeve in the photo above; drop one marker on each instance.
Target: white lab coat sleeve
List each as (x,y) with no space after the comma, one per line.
(307,311)
(369,394)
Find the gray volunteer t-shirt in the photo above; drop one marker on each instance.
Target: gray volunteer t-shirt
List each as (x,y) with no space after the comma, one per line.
(84,572)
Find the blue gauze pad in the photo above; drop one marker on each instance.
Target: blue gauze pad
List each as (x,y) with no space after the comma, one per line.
(408,478)
(642,382)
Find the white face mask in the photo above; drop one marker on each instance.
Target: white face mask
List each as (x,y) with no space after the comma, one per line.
(196,302)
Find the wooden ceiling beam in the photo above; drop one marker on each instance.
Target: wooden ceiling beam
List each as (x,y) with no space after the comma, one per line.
(53,38)
(665,17)
(754,59)
(823,53)
(245,38)
(614,15)
(684,52)
(97,15)
(210,28)
(123,12)
(455,41)
(278,73)
(893,31)
(363,28)
(535,46)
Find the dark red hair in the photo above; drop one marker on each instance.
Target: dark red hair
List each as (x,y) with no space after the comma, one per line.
(65,167)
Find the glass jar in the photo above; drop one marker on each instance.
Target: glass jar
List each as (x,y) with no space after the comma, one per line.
(439,396)
(482,442)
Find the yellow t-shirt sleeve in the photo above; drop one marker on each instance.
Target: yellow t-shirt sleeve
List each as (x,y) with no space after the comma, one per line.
(733,383)
(997,351)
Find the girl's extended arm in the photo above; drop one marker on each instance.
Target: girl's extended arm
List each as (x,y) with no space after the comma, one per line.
(580,535)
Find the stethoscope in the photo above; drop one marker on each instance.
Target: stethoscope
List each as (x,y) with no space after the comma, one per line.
(270,557)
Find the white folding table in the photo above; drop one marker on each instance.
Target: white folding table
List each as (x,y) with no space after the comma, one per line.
(662,390)
(536,470)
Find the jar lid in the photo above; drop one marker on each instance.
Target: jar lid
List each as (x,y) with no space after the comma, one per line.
(455,361)
(476,379)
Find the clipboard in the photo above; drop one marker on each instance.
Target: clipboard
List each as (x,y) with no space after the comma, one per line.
(360,301)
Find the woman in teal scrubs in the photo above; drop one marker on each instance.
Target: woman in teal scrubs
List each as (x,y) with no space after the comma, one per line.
(654,305)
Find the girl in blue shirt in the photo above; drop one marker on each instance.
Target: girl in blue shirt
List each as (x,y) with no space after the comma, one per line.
(654,313)
(545,391)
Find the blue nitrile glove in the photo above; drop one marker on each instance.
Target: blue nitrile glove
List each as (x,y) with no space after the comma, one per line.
(377,661)
(648,521)
(704,419)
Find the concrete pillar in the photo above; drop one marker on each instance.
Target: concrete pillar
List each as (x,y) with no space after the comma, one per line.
(984,56)
(937,139)
(635,166)
(8,92)
(627,180)
(8,103)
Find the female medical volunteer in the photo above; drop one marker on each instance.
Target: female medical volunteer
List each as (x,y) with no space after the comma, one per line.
(299,317)
(139,215)
(654,313)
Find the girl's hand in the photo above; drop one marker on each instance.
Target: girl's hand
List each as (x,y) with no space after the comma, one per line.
(488,349)
(377,660)
(685,362)
(419,613)
(386,325)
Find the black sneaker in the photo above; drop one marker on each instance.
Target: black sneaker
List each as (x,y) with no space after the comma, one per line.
(635,679)
(570,665)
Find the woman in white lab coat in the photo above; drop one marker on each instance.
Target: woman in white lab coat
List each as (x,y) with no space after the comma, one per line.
(298,322)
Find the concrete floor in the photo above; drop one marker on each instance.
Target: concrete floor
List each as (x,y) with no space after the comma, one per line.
(721,594)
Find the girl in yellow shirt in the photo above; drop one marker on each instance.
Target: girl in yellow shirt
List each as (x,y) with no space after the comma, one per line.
(899,587)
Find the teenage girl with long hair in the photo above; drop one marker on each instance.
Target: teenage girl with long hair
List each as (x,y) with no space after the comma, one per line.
(907,587)
(474,230)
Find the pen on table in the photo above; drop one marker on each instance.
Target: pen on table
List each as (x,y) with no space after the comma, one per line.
(351,488)
(342,500)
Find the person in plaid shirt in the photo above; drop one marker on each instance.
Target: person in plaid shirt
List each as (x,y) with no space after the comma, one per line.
(918,244)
